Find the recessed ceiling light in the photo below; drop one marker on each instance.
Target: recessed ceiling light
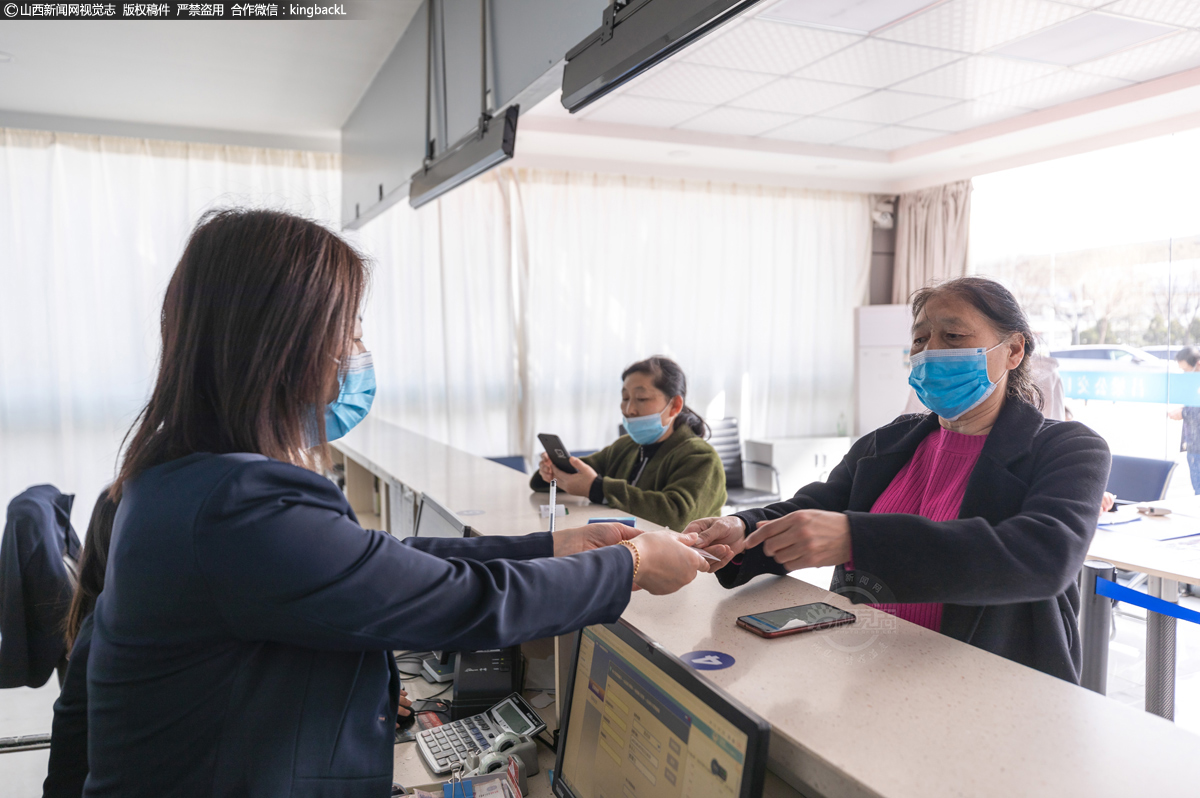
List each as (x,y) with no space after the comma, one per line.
(1083,38)
(678,154)
(860,16)
(6,58)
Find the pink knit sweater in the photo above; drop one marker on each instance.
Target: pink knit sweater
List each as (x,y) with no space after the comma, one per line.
(932,485)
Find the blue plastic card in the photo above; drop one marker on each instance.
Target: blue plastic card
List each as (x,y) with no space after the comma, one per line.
(627,520)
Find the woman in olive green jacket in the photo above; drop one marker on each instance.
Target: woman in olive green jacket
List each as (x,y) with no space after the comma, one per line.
(662,470)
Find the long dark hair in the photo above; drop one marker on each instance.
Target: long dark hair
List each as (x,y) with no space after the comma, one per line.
(670,379)
(92,563)
(1005,315)
(256,318)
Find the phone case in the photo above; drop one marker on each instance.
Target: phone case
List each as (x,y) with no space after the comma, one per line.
(554,443)
(798,630)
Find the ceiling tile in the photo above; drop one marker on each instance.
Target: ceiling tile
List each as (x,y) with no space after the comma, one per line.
(965,116)
(1163,57)
(876,63)
(892,138)
(737,121)
(887,107)
(697,83)
(1172,12)
(976,76)
(971,26)
(1055,89)
(772,47)
(816,130)
(1084,39)
(624,110)
(851,15)
(799,96)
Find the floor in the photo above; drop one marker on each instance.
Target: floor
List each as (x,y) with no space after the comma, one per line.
(25,711)
(1127,664)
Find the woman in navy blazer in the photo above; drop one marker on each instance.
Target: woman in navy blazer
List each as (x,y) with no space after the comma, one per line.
(241,645)
(1004,566)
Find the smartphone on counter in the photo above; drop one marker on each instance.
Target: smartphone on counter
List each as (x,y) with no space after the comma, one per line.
(558,453)
(793,620)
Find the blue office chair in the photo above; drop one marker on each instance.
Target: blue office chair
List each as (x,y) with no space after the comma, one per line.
(1139,479)
(1133,480)
(513,461)
(517,462)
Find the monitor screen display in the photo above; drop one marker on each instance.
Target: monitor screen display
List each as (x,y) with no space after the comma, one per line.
(633,731)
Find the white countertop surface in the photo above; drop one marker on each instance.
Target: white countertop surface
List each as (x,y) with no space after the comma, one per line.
(878,708)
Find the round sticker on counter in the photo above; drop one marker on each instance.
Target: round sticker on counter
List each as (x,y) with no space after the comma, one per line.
(708,660)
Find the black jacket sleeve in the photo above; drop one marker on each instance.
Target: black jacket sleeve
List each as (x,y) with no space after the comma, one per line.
(1032,555)
(285,562)
(68,766)
(832,495)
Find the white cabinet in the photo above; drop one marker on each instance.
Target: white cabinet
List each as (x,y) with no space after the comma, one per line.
(881,365)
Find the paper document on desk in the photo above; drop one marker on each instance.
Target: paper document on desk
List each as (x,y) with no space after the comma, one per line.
(1157,530)
(1124,514)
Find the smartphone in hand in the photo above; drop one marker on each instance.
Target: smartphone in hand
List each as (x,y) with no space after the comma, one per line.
(558,453)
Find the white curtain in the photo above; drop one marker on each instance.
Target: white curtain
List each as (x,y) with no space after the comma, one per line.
(507,308)
(552,282)
(932,231)
(90,229)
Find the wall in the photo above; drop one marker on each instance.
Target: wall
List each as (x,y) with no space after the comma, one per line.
(383,141)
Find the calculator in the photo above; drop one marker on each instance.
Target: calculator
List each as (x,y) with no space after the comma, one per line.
(447,746)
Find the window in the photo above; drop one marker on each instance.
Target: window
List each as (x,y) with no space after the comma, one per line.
(1103,251)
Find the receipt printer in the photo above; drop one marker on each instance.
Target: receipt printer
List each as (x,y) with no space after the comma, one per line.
(484,678)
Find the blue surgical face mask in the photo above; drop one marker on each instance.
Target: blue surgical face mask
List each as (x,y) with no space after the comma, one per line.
(645,429)
(355,397)
(951,382)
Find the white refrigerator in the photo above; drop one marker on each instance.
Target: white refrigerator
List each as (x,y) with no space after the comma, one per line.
(882,344)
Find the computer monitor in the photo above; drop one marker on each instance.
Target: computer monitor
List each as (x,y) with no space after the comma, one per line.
(435,521)
(639,723)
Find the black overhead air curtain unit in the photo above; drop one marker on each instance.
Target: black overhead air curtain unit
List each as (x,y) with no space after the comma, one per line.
(636,35)
(489,144)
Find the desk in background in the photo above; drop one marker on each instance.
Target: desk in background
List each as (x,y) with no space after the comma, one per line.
(1167,550)
(880,708)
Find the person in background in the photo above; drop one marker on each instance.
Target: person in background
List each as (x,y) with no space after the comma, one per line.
(1188,359)
(242,644)
(972,520)
(68,767)
(662,469)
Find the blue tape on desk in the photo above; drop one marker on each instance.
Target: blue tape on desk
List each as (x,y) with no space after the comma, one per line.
(1139,599)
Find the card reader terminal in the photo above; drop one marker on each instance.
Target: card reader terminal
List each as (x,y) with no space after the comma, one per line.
(447,746)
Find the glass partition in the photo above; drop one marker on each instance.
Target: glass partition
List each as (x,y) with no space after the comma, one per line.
(1103,252)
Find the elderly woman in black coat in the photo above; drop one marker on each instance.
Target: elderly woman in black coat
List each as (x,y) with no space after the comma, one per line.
(972,520)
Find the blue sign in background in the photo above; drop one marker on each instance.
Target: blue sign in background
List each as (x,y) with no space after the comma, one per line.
(1131,386)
